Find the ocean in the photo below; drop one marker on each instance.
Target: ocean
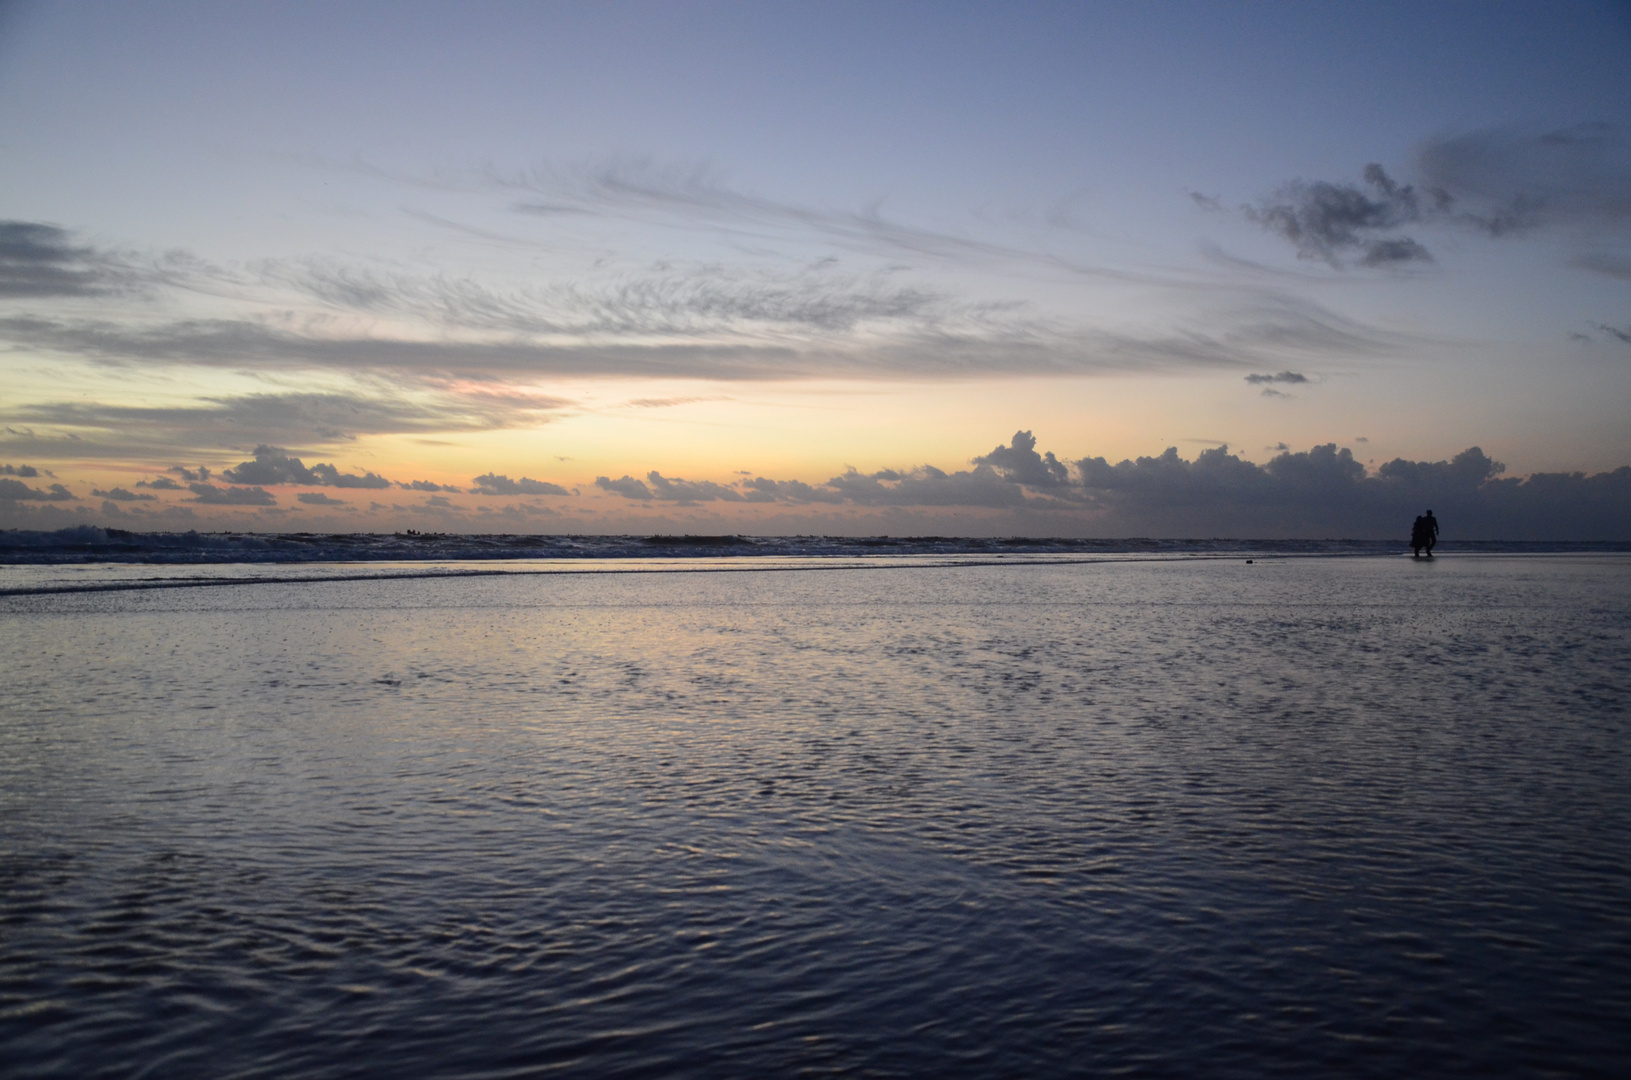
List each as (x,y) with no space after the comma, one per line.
(951,811)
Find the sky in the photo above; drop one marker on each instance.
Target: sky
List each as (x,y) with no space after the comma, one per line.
(1091,269)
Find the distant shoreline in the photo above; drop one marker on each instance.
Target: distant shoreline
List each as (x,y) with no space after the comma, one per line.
(91,545)
(666,564)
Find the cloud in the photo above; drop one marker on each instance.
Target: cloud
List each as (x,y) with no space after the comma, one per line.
(1282,377)
(1614,331)
(427,485)
(1019,463)
(1511,180)
(163,483)
(665,299)
(119,494)
(1324,492)
(493,484)
(690,491)
(1607,263)
(627,486)
(1499,182)
(696,197)
(16,489)
(762,489)
(18,470)
(953,341)
(997,481)
(273,465)
(1324,220)
(211,495)
(1393,252)
(199,474)
(267,419)
(926,485)
(437,506)
(663,403)
(39,260)
(317,498)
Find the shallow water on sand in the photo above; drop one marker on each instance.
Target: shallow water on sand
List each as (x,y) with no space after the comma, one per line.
(1300,816)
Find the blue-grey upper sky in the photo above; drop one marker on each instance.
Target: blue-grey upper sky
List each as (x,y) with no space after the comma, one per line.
(723,240)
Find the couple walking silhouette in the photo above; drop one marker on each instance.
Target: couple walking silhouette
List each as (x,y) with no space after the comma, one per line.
(1424,534)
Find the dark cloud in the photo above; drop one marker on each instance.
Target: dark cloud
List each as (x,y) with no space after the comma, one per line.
(210,495)
(1319,493)
(494,484)
(1393,252)
(427,485)
(16,489)
(1607,263)
(163,483)
(926,485)
(439,507)
(520,511)
(1282,377)
(18,470)
(628,487)
(997,481)
(1505,180)
(246,343)
(1615,331)
(39,260)
(119,494)
(329,476)
(317,498)
(1325,220)
(1324,492)
(111,430)
(1019,463)
(1499,182)
(986,339)
(761,489)
(273,465)
(690,491)
(202,473)
(671,489)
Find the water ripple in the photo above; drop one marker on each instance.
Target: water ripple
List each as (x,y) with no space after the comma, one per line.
(1298,817)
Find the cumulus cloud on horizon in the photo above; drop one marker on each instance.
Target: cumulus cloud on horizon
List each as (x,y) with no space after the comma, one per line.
(210,495)
(1322,492)
(272,465)
(1317,493)
(494,484)
(17,490)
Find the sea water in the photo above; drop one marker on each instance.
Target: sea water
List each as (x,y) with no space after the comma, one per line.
(1165,817)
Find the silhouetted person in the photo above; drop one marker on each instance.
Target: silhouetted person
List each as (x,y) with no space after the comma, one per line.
(1418,536)
(1429,532)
